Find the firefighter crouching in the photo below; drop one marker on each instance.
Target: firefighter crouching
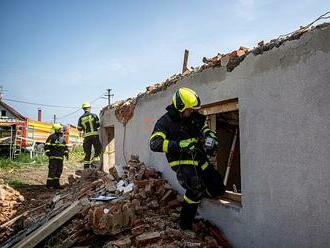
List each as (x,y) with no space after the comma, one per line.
(56,149)
(181,134)
(89,123)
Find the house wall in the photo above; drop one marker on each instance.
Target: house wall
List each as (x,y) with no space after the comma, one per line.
(8,113)
(284,99)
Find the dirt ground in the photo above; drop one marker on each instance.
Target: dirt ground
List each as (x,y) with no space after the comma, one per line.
(30,181)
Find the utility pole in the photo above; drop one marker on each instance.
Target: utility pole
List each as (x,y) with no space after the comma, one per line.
(2,91)
(109,95)
(54,118)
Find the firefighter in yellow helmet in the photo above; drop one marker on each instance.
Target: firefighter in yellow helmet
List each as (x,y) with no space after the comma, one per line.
(89,123)
(181,134)
(56,149)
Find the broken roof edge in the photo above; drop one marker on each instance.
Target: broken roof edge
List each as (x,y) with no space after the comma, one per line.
(229,61)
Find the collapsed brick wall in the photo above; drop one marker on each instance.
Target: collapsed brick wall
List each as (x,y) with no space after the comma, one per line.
(124,111)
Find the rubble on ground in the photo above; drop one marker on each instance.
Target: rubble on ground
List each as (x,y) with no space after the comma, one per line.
(145,214)
(9,200)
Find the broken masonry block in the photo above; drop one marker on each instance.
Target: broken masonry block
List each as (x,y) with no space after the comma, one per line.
(147,238)
(138,230)
(169,195)
(174,203)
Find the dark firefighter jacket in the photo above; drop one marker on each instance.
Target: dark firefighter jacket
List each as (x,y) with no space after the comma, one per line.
(56,147)
(89,123)
(170,129)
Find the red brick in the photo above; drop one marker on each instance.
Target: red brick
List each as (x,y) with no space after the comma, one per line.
(147,238)
(174,203)
(138,230)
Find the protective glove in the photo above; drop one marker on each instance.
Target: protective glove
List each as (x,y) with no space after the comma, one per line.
(188,145)
(67,156)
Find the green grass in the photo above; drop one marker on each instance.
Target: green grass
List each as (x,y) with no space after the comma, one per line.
(77,154)
(5,163)
(15,183)
(22,160)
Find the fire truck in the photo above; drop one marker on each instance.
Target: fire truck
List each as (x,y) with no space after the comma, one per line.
(30,135)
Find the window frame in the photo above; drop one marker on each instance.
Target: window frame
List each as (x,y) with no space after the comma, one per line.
(211,110)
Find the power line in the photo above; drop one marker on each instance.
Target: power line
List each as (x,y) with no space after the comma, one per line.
(39,104)
(303,28)
(72,113)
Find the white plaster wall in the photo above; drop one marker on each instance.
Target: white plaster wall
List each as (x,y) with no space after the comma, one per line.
(284,98)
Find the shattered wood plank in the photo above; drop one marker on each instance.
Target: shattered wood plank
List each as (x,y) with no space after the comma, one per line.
(20,216)
(44,231)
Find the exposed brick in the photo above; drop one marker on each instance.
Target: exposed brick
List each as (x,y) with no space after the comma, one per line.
(153,204)
(169,195)
(147,238)
(138,230)
(211,242)
(174,203)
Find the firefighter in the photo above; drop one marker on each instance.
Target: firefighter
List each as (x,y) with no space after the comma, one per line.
(89,123)
(56,149)
(181,134)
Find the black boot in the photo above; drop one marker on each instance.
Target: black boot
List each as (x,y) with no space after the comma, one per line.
(188,213)
(50,184)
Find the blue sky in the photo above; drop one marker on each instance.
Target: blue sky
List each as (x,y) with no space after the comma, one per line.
(65,52)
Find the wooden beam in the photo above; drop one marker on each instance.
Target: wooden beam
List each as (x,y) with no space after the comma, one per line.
(48,228)
(220,107)
(185,61)
(232,196)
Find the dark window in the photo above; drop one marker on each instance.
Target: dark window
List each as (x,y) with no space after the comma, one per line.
(3,113)
(223,117)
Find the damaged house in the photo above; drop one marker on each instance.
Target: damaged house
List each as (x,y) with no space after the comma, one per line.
(271,107)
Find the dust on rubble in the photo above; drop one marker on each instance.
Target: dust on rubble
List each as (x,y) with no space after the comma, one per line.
(145,215)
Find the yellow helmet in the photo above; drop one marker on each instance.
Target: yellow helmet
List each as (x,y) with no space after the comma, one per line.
(85,105)
(57,126)
(185,98)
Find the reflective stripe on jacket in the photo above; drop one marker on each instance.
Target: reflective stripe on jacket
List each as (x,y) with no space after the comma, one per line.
(90,124)
(55,146)
(170,129)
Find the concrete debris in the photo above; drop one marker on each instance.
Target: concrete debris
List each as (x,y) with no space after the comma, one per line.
(124,187)
(121,243)
(111,219)
(157,209)
(146,216)
(147,238)
(84,184)
(229,60)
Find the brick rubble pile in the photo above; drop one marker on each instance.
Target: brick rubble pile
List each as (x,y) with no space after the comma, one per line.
(9,200)
(144,213)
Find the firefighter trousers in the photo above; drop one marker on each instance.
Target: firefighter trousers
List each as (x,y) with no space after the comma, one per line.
(55,169)
(198,183)
(89,142)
